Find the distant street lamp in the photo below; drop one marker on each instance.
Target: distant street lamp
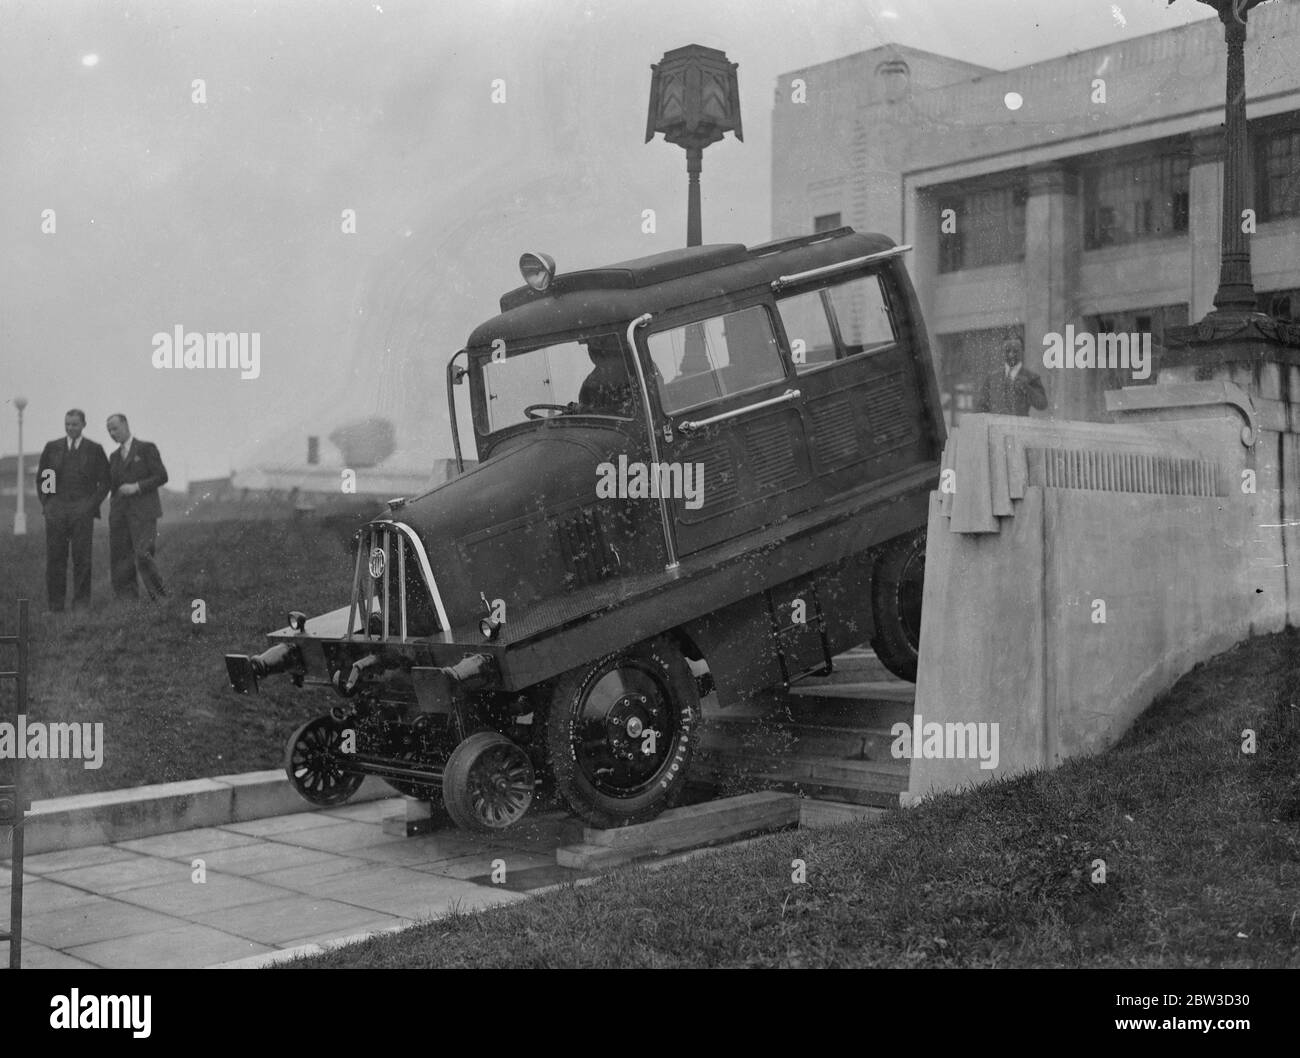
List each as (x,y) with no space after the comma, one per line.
(20,514)
(694,101)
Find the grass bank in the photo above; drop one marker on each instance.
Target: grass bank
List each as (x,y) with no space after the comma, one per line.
(1200,842)
(151,674)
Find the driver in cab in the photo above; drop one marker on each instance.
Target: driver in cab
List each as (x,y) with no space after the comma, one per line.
(608,389)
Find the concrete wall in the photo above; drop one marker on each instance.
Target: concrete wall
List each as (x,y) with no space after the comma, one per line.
(1042,522)
(843,149)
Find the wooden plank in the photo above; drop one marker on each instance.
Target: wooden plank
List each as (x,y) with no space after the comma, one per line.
(584,857)
(816,813)
(415,817)
(684,828)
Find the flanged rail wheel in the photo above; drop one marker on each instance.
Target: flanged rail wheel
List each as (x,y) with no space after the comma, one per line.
(314,762)
(620,733)
(897,587)
(487,783)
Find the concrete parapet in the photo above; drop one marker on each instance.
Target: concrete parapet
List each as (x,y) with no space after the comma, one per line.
(1074,571)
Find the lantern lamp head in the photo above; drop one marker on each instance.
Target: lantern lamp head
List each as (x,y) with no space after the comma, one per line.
(694,97)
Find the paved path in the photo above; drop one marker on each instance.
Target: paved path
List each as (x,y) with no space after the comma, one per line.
(271,884)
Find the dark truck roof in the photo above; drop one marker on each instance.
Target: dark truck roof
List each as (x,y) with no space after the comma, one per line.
(618,293)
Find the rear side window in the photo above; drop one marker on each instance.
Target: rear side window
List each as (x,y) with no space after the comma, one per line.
(837,322)
(715,358)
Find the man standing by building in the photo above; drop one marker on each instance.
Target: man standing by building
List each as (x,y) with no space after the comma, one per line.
(72,481)
(136,473)
(1011,389)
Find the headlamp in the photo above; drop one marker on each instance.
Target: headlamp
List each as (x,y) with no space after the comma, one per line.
(538,269)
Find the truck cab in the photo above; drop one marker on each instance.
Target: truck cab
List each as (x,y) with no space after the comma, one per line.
(706,470)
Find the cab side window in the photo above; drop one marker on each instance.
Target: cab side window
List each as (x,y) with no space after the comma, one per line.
(837,322)
(715,358)
(808,328)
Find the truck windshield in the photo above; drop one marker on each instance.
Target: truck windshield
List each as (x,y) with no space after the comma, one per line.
(585,376)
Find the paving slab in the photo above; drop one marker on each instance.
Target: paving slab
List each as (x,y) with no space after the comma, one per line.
(423,849)
(344,836)
(278,824)
(108,878)
(190,900)
(480,866)
(295,919)
(264,856)
(70,859)
(307,878)
(100,919)
(38,957)
(176,948)
(40,895)
(406,893)
(188,844)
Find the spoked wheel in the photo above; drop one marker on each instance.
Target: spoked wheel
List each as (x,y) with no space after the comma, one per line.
(313,760)
(620,733)
(897,588)
(487,783)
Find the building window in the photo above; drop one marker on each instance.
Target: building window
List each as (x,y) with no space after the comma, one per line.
(1130,201)
(1136,323)
(826,222)
(989,228)
(1277,168)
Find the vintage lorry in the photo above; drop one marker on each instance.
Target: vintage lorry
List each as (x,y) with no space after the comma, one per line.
(703,470)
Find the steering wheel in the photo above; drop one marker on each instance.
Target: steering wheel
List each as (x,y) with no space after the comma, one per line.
(550,407)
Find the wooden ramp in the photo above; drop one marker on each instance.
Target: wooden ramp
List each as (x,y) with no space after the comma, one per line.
(826,738)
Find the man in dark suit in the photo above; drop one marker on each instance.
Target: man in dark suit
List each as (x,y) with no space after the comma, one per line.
(72,481)
(136,473)
(1012,388)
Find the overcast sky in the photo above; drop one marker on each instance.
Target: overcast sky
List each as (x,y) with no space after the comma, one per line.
(225,215)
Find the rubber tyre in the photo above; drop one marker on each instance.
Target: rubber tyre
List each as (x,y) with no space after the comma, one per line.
(896,589)
(462,794)
(659,663)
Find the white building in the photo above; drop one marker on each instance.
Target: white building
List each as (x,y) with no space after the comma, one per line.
(1083,190)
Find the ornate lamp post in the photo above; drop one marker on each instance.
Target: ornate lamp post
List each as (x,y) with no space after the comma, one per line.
(20,513)
(694,102)
(1235,318)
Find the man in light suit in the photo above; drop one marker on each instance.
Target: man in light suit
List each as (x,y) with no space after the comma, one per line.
(72,481)
(136,473)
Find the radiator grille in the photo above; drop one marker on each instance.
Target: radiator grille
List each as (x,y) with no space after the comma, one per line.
(390,596)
